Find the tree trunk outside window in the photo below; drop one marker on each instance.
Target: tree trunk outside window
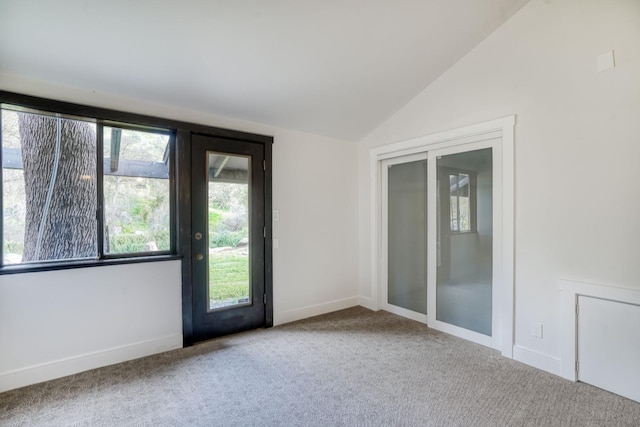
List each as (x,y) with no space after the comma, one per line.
(67,227)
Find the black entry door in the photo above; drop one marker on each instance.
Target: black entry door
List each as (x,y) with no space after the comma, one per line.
(228,236)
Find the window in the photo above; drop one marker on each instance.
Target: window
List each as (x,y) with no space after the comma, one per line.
(136,191)
(76,189)
(462,202)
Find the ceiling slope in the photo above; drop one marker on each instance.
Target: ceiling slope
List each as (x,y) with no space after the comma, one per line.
(334,68)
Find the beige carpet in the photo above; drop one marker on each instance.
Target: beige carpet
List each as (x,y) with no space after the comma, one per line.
(350,368)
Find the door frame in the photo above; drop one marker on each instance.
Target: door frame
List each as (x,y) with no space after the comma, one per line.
(501,130)
(184,199)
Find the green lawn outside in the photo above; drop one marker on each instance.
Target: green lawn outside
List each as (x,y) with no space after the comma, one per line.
(228,276)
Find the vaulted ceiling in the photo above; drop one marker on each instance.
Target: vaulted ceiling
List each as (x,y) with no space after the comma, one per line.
(335,68)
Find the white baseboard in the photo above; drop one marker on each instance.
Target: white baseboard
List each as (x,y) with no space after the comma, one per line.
(537,360)
(365,302)
(84,362)
(313,310)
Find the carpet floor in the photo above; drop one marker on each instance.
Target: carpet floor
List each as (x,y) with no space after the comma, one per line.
(354,367)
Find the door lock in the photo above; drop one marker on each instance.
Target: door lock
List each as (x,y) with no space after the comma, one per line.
(198,236)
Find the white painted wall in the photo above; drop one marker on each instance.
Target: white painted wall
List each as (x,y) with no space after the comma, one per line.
(315,191)
(315,267)
(577,149)
(61,322)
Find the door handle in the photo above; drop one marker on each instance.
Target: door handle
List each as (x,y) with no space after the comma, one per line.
(199,257)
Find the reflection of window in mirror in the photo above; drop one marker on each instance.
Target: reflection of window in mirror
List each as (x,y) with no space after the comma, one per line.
(462,201)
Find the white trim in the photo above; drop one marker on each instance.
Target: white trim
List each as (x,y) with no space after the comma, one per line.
(537,360)
(497,296)
(502,128)
(432,244)
(449,137)
(84,362)
(375,179)
(508,229)
(462,333)
(364,302)
(439,145)
(383,269)
(287,316)
(409,314)
(383,289)
(407,158)
(569,292)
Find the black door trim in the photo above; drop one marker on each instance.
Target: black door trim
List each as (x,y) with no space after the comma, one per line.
(184,143)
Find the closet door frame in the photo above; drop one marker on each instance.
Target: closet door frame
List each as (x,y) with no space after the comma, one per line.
(501,134)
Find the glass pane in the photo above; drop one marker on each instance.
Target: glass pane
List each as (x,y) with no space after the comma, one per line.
(453,209)
(464,202)
(49,188)
(407,236)
(228,228)
(463,185)
(464,274)
(137,211)
(145,146)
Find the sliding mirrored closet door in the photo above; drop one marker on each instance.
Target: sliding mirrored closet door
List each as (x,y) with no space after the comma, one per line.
(464,239)
(438,239)
(405,180)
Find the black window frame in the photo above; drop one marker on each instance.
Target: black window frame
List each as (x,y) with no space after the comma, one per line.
(101,117)
(100,125)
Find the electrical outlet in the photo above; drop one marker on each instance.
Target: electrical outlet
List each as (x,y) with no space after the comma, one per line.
(536,329)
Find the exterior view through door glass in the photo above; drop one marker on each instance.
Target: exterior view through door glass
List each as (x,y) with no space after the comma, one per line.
(228,230)
(228,241)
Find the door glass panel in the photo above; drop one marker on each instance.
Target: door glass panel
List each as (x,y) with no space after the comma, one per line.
(465,240)
(407,236)
(228,230)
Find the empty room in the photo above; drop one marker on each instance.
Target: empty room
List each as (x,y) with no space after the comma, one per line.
(319,213)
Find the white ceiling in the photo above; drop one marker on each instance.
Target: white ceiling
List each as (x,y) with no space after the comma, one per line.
(335,68)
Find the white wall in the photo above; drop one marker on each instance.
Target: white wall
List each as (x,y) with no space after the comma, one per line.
(315,268)
(577,149)
(61,322)
(315,191)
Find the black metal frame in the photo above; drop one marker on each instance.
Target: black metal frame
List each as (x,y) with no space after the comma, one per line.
(180,184)
(101,255)
(100,181)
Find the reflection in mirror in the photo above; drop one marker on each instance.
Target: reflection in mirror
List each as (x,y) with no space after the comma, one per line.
(465,240)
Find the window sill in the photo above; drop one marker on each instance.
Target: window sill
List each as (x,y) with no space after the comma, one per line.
(66,265)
